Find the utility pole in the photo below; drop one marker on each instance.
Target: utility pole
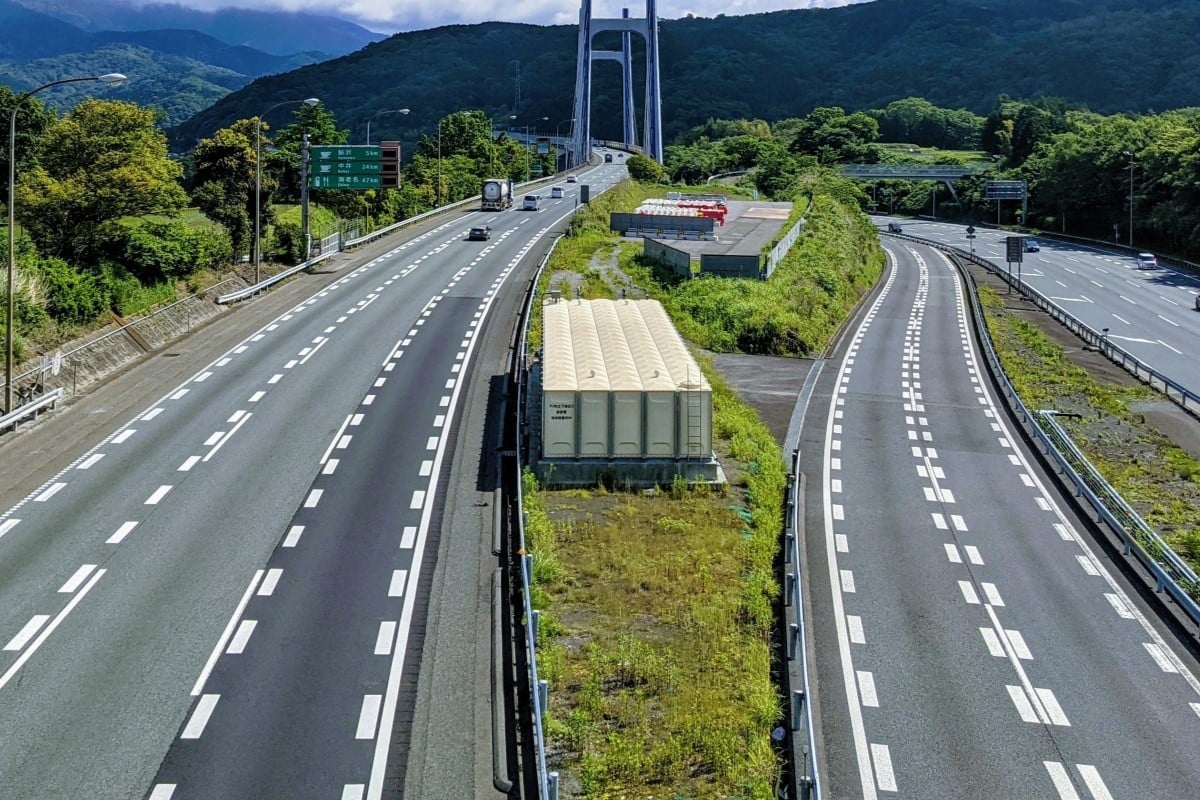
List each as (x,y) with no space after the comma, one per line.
(304,197)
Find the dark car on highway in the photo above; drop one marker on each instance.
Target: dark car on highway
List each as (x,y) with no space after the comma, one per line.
(480,233)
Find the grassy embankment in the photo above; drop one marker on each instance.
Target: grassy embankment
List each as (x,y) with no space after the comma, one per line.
(658,609)
(1155,476)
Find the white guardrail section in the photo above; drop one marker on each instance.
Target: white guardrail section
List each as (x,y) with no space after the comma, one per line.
(30,409)
(547,781)
(1171,574)
(807,779)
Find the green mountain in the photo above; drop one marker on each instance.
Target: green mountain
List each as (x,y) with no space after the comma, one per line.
(1111,55)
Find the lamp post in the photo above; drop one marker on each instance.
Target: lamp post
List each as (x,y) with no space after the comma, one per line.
(557,129)
(438,203)
(312,101)
(110,78)
(530,151)
(1127,153)
(380,114)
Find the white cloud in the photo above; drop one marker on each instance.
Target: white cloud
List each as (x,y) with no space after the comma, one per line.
(406,15)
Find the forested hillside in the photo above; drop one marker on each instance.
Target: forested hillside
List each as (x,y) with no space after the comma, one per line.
(1110,55)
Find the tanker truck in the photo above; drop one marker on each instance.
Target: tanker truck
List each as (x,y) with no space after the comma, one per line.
(496,195)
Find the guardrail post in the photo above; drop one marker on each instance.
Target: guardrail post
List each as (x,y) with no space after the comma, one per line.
(797,709)
(543,695)
(552,785)
(789,588)
(793,640)
(789,544)
(535,624)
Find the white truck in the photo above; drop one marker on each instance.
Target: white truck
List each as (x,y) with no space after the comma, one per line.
(496,195)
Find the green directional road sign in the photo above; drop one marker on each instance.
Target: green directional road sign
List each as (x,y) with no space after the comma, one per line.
(348,168)
(345,152)
(345,181)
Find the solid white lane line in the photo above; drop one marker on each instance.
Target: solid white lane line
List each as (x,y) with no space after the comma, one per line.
(124,435)
(1061,780)
(1168,321)
(885,776)
(224,639)
(313,498)
(49,629)
(408,537)
(313,352)
(121,532)
(7,525)
(866,689)
(1196,708)
(369,717)
(90,461)
(27,632)
(162,791)
(50,492)
(204,708)
(1160,657)
(385,638)
(158,495)
(238,645)
(77,579)
(269,583)
(396,587)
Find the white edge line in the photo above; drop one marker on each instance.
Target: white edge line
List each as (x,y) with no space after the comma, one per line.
(224,640)
(334,440)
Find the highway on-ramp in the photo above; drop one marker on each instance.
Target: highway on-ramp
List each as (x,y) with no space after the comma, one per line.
(223,598)
(1151,313)
(970,638)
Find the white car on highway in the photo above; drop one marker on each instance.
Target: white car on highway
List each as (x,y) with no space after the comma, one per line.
(1146,261)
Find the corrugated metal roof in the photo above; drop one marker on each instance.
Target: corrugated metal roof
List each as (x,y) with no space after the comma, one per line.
(615,345)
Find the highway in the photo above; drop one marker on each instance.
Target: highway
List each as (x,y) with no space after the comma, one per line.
(970,639)
(1150,313)
(227,596)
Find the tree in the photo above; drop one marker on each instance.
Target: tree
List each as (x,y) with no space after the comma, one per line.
(224,182)
(284,159)
(103,161)
(644,169)
(32,120)
(833,136)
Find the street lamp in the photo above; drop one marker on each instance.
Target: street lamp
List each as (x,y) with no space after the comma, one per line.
(110,78)
(557,129)
(530,151)
(312,101)
(1127,153)
(380,114)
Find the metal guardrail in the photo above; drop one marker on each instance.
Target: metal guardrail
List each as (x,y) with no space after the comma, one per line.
(807,774)
(1173,391)
(1163,564)
(30,409)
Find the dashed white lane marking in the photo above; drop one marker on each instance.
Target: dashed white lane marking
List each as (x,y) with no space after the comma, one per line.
(368,717)
(276,378)
(76,580)
(27,632)
(269,583)
(1061,780)
(1118,605)
(90,461)
(330,466)
(254,398)
(152,413)
(356,420)
(162,791)
(973,554)
(188,463)
(237,645)
(204,709)
(385,638)
(952,553)
(313,498)
(1087,565)
(121,533)
(1196,708)
(124,435)
(353,791)
(426,468)
(158,495)
(408,537)
(855,627)
(838,512)
(885,776)
(179,395)
(293,536)
(1095,784)
(1160,657)
(968,592)
(7,525)
(418,499)
(847,581)
(843,544)
(866,689)
(992,593)
(399,579)
(49,629)
(202,377)
(216,437)
(50,492)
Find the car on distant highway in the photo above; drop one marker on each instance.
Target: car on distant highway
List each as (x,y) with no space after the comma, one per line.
(572,179)
(1146,261)
(1032,246)
(556,192)
(479,233)
(894,227)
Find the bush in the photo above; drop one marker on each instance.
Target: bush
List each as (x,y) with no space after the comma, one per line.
(127,295)
(644,169)
(287,242)
(157,250)
(72,297)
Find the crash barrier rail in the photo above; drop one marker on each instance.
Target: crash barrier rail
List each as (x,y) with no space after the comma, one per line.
(547,781)
(30,409)
(1171,575)
(805,774)
(75,355)
(1099,244)
(1173,391)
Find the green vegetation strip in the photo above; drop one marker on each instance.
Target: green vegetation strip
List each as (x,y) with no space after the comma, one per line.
(1159,479)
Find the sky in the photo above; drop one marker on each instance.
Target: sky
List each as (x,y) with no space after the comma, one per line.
(392,16)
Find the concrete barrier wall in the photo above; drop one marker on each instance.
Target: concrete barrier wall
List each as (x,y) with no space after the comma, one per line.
(782,247)
(678,261)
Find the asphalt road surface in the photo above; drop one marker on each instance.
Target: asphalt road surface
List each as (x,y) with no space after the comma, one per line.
(970,640)
(226,595)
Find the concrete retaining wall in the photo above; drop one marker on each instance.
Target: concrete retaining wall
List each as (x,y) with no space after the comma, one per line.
(678,261)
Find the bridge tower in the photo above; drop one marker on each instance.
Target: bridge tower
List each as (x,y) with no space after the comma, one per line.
(646,28)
